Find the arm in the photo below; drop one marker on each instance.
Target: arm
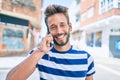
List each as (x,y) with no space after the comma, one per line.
(89,78)
(27,67)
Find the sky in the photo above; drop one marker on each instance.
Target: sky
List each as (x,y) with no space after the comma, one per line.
(66,3)
(60,2)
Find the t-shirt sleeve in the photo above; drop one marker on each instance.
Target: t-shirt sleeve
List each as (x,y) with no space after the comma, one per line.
(91,66)
(30,52)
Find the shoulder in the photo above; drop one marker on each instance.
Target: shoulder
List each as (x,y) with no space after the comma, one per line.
(80,51)
(77,50)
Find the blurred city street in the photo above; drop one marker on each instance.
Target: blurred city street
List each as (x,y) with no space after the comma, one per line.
(95,29)
(106,68)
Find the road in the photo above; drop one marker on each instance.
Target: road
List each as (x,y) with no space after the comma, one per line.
(105,73)
(106,68)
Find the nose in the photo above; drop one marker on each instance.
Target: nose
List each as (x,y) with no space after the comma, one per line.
(59,30)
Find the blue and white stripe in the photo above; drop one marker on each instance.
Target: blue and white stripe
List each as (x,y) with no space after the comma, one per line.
(57,77)
(69,65)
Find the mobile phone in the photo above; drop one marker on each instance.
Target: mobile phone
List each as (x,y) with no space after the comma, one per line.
(48,32)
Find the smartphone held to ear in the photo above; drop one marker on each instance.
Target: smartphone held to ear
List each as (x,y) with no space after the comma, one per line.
(51,44)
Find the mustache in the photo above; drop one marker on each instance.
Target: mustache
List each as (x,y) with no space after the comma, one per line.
(57,35)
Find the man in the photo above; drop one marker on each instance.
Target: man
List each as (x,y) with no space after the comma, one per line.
(61,61)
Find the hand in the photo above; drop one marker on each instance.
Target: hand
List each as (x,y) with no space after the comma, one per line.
(45,43)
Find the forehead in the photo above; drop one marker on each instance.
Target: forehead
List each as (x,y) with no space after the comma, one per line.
(56,18)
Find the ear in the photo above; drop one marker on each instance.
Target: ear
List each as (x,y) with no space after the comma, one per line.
(70,27)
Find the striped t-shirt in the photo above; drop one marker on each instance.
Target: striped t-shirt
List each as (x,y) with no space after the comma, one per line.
(73,64)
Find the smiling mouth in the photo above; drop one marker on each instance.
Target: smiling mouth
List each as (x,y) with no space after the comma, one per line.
(59,36)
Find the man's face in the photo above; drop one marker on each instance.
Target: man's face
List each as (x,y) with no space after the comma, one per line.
(59,28)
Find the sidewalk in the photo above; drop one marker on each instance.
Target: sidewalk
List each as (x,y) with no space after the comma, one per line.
(109,64)
(10,62)
(7,63)
(108,60)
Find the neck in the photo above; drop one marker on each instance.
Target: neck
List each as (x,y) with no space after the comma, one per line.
(63,48)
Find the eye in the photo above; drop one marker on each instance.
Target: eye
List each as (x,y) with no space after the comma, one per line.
(62,24)
(53,27)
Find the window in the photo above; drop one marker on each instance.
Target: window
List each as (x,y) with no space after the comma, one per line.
(90,12)
(87,14)
(106,5)
(98,38)
(25,3)
(118,4)
(101,4)
(19,34)
(94,39)
(77,17)
(13,39)
(83,16)
(77,2)
(90,39)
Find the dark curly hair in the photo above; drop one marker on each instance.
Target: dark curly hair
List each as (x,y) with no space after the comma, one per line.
(54,9)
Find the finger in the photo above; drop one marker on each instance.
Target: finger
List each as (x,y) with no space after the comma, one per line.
(49,43)
(49,35)
(50,38)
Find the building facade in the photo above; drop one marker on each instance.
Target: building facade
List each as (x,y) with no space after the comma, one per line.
(74,14)
(100,23)
(19,19)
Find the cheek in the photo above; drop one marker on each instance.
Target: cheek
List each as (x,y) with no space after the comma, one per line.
(53,34)
(67,30)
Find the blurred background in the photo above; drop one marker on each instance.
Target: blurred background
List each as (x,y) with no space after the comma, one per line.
(96,29)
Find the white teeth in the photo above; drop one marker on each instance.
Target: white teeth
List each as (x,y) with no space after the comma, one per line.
(61,36)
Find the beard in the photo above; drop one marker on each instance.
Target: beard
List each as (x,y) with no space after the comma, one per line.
(63,42)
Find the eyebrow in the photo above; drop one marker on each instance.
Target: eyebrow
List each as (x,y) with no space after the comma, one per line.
(52,25)
(60,23)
